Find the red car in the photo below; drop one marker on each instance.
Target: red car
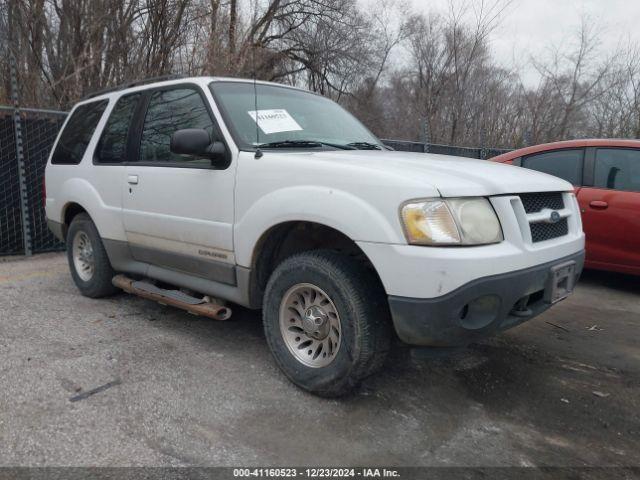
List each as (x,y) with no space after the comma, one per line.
(606,176)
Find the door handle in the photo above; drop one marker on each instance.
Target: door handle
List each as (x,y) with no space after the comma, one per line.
(598,204)
(132,179)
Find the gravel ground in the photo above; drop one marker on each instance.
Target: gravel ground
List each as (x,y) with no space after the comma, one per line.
(561,390)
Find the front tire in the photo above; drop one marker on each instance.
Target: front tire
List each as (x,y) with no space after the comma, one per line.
(90,267)
(326,321)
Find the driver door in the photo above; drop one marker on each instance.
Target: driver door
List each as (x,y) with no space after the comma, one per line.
(178,210)
(610,207)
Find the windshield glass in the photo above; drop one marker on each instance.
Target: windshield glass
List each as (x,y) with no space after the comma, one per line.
(287,118)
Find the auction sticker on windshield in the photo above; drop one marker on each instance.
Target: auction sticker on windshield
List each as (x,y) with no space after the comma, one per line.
(275,121)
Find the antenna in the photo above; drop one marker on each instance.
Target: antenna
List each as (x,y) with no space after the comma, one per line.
(255,102)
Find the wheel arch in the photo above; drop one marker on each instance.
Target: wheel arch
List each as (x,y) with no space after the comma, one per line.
(288,238)
(69,212)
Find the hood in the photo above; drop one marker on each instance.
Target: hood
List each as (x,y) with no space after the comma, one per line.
(451,176)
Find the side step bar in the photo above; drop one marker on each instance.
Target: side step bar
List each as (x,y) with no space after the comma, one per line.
(175,298)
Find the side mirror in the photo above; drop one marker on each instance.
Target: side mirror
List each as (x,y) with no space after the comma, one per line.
(197,142)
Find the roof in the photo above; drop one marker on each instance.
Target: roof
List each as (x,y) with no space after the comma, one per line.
(580,143)
(175,79)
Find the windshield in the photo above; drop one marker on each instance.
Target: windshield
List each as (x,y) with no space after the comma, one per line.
(288,118)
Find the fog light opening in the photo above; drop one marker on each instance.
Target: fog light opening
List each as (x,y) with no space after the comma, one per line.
(480,312)
(520,308)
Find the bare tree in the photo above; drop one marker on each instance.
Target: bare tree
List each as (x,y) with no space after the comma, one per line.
(616,109)
(569,81)
(399,71)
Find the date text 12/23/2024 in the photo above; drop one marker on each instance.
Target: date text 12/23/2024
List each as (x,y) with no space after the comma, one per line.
(315,472)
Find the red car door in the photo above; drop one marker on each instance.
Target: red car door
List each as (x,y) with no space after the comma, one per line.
(610,206)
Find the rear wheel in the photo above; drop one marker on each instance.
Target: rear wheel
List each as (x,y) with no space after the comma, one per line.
(326,321)
(88,261)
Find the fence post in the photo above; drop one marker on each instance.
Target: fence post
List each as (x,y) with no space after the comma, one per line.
(17,128)
(424,131)
(483,143)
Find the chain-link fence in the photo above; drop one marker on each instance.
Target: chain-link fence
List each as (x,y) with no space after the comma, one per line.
(479,153)
(23,226)
(10,216)
(25,143)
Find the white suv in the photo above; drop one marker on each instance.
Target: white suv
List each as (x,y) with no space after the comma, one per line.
(273,197)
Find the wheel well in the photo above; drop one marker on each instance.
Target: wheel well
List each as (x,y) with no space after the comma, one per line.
(70,212)
(290,238)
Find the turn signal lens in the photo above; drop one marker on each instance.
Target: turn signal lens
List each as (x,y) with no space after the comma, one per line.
(430,223)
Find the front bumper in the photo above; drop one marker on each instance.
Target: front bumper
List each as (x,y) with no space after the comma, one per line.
(478,309)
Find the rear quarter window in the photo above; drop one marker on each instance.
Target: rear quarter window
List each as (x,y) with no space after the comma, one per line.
(566,164)
(77,133)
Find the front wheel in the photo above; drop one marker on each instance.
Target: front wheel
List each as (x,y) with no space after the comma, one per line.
(326,321)
(90,267)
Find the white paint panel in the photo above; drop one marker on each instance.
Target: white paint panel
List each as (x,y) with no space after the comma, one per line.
(193,206)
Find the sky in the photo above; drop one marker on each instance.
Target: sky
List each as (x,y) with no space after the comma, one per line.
(528,27)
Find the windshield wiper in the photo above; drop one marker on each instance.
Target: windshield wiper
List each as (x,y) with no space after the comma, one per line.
(303,144)
(365,146)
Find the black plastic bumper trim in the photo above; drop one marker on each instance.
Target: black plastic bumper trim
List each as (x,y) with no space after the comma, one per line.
(441,321)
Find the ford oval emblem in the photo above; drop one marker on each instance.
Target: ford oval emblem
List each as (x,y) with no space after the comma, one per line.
(554,217)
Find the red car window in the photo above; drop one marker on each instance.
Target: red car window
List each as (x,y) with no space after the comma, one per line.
(566,164)
(617,169)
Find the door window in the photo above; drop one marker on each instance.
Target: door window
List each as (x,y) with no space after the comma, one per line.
(566,164)
(617,169)
(77,133)
(168,111)
(113,143)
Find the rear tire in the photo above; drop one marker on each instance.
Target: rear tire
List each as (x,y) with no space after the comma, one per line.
(90,267)
(326,321)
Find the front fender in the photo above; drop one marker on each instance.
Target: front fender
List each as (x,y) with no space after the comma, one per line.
(343,211)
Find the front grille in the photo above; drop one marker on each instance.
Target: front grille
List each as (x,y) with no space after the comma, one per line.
(547,231)
(541,228)
(535,202)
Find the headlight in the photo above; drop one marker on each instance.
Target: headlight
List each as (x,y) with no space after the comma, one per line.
(455,221)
